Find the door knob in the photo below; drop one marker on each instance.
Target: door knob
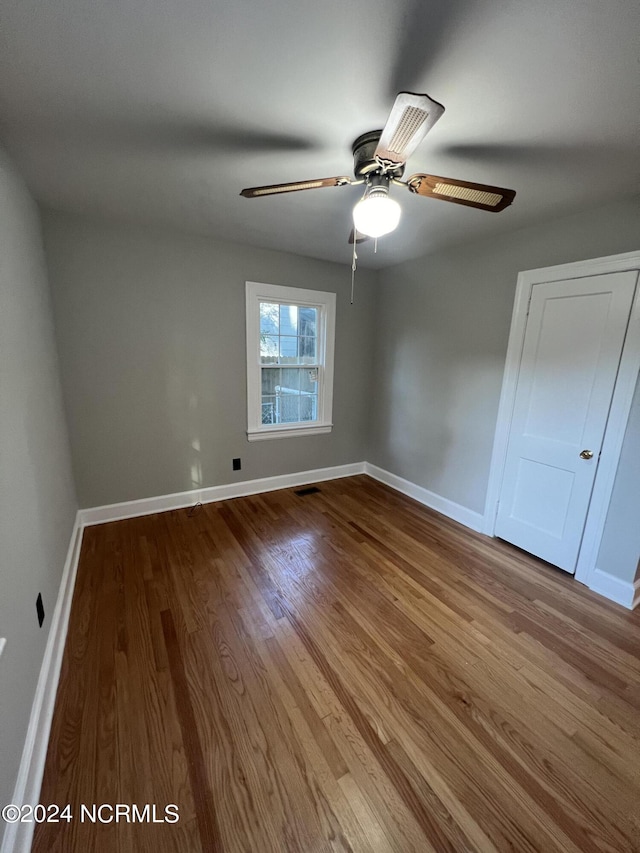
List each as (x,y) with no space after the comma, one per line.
(586,454)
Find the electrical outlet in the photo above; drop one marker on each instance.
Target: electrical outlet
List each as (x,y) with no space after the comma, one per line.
(237,464)
(40,609)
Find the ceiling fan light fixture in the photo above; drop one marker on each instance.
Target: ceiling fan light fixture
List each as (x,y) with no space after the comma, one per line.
(376,214)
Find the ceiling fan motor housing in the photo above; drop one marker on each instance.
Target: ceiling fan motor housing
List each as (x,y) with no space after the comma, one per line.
(364,160)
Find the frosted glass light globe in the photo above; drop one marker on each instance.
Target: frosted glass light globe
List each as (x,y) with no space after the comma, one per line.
(376,215)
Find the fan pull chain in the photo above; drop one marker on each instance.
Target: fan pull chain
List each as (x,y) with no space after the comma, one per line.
(354,264)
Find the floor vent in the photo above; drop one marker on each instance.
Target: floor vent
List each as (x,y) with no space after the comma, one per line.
(310,490)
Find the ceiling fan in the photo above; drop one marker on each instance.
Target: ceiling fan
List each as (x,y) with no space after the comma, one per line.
(379,159)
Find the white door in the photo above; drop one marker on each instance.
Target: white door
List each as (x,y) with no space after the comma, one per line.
(572,348)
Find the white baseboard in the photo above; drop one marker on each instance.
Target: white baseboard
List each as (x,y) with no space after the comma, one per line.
(442,505)
(210,494)
(18,836)
(622,592)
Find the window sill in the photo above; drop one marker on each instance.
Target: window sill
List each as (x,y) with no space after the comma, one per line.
(289,431)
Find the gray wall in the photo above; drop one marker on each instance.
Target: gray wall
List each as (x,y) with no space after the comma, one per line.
(151,330)
(441,331)
(620,547)
(37,500)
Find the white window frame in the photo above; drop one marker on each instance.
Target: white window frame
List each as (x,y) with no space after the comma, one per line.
(325,302)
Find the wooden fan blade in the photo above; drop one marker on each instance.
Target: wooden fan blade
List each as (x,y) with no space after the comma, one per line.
(410,119)
(361,238)
(482,196)
(296,186)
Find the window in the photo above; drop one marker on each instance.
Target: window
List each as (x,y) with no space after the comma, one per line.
(290,335)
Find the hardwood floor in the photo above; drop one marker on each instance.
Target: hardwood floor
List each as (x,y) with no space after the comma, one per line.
(344,670)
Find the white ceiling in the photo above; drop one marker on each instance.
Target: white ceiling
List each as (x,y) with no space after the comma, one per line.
(163,110)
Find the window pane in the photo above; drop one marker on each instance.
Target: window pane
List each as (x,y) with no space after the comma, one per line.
(269,348)
(269,410)
(289,408)
(269,318)
(309,381)
(290,380)
(307,349)
(289,319)
(308,321)
(288,349)
(308,408)
(270,379)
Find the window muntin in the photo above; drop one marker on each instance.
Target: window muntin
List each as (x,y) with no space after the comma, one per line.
(288,333)
(289,360)
(289,395)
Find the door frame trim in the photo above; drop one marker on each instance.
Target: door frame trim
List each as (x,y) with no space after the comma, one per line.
(620,405)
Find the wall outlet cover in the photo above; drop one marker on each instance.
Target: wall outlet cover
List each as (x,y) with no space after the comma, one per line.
(237,464)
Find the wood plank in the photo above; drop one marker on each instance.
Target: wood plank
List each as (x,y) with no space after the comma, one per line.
(205,806)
